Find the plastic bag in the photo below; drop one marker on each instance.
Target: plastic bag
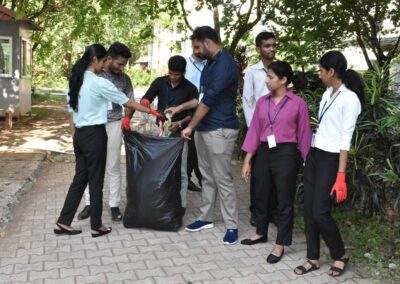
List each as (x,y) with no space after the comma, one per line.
(153,166)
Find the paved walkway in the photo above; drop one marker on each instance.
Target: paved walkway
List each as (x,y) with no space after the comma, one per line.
(30,252)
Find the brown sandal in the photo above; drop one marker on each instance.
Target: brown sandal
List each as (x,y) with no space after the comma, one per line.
(338,270)
(304,270)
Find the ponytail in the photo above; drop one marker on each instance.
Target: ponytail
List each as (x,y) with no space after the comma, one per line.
(76,78)
(335,60)
(353,81)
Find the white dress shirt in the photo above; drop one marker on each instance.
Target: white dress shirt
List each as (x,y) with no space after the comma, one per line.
(254,87)
(193,70)
(337,125)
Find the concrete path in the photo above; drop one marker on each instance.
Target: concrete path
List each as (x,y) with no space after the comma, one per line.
(30,252)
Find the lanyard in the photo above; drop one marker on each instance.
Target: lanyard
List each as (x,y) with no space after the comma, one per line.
(272,121)
(194,64)
(324,110)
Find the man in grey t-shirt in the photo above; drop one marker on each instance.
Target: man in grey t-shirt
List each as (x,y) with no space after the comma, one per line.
(118,56)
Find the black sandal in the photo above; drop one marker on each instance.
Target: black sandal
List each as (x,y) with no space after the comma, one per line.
(100,232)
(304,270)
(62,231)
(338,270)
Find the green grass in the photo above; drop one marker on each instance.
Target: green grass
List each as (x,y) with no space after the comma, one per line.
(40,112)
(41,97)
(371,244)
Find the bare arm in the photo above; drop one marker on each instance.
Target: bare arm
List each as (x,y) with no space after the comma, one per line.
(185,106)
(343,157)
(72,125)
(132,105)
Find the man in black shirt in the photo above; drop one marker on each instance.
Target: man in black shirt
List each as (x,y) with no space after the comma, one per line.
(178,96)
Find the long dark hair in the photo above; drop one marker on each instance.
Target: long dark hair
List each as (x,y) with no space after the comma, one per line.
(76,78)
(336,60)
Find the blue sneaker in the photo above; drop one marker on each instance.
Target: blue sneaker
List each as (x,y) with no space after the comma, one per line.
(199,225)
(231,237)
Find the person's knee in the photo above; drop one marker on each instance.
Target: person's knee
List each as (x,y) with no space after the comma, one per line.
(320,217)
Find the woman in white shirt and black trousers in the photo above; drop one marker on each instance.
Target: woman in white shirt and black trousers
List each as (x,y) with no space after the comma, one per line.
(325,167)
(88,99)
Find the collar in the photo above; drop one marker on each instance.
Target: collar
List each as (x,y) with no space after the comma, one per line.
(194,60)
(342,88)
(170,85)
(259,65)
(289,95)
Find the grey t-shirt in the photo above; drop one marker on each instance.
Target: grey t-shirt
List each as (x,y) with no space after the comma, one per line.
(124,84)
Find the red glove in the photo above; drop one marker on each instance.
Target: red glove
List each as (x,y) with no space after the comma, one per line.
(339,189)
(145,102)
(125,125)
(159,116)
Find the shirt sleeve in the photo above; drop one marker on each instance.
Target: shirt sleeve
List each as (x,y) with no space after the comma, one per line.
(252,140)
(221,74)
(108,90)
(153,91)
(248,98)
(350,111)
(304,133)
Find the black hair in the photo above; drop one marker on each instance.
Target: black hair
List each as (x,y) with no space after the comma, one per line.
(205,32)
(177,63)
(119,49)
(335,59)
(282,69)
(76,78)
(264,36)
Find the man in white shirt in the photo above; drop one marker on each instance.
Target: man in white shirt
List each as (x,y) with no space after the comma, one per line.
(255,77)
(194,67)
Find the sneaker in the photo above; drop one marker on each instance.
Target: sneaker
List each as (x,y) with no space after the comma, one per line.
(116,214)
(231,237)
(199,225)
(85,213)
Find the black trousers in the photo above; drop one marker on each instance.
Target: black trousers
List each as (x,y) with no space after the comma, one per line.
(277,166)
(273,204)
(319,177)
(90,147)
(192,164)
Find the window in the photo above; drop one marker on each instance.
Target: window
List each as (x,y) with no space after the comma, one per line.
(5,56)
(26,58)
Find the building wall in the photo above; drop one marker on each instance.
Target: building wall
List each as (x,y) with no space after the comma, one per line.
(9,86)
(25,86)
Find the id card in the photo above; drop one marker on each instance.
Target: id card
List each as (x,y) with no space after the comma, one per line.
(271,141)
(109,106)
(201,95)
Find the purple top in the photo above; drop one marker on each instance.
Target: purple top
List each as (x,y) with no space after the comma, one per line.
(291,124)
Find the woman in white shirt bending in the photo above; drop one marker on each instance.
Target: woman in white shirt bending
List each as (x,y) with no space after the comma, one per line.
(88,98)
(324,173)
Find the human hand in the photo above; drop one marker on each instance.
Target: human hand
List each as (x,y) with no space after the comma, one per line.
(339,189)
(246,170)
(145,102)
(186,133)
(125,125)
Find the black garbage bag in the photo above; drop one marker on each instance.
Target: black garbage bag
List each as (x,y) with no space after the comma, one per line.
(153,170)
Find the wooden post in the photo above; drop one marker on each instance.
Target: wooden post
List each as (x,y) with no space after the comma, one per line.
(8,119)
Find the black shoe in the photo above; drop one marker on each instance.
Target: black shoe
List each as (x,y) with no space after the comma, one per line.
(85,213)
(116,214)
(253,220)
(250,242)
(193,187)
(272,258)
(99,233)
(62,231)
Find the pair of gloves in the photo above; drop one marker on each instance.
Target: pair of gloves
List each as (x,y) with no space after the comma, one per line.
(125,125)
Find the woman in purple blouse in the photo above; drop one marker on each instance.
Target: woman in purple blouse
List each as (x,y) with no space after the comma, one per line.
(280,133)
